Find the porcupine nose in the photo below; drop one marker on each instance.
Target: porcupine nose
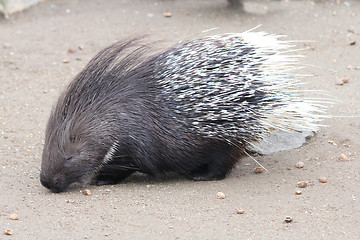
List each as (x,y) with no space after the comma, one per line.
(53,185)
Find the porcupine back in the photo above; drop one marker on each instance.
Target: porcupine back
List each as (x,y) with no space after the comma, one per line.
(236,86)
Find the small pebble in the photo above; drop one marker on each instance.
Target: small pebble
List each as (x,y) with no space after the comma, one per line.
(14,217)
(86,192)
(81,47)
(8,232)
(299,165)
(339,82)
(288,219)
(70,50)
(106,192)
(220,195)
(167,14)
(302,184)
(322,179)
(7,45)
(343,157)
(258,170)
(345,80)
(66,60)
(298,192)
(239,211)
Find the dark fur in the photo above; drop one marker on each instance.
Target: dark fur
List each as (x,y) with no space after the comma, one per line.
(116,99)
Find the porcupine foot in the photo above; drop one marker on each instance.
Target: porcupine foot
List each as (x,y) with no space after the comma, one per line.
(109,178)
(111,174)
(219,160)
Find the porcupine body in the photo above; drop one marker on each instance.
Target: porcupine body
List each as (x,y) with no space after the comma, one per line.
(191,109)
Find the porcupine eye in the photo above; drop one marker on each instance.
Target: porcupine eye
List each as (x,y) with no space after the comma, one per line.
(69,161)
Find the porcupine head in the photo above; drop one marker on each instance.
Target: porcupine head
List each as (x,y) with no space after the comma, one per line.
(233,87)
(85,122)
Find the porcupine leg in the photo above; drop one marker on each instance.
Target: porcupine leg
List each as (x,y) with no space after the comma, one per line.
(114,172)
(219,159)
(109,176)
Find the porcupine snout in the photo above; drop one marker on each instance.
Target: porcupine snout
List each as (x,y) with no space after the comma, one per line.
(56,185)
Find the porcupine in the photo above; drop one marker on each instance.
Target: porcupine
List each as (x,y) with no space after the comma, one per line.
(192,109)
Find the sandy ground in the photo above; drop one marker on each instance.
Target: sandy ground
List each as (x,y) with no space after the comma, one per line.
(33,45)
